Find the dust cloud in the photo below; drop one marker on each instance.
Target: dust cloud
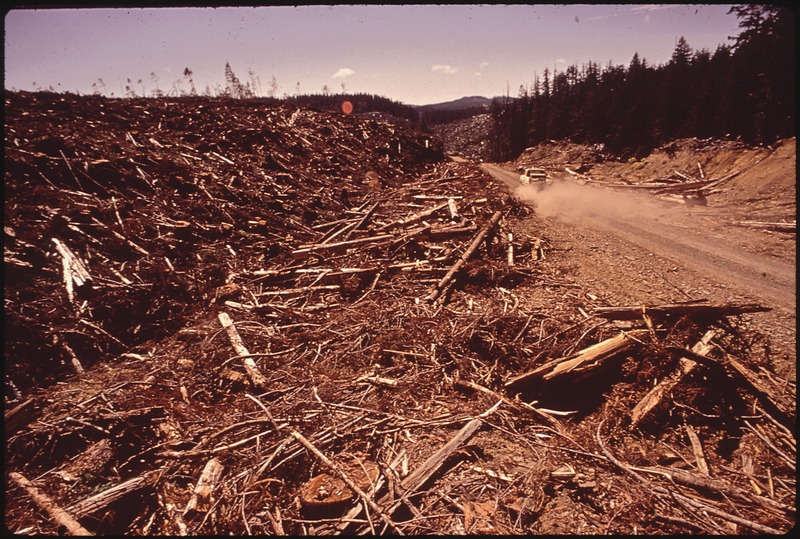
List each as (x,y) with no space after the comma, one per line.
(571,202)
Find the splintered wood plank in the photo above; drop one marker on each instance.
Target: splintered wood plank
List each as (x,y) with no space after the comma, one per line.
(587,359)
(103,499)
(661,389)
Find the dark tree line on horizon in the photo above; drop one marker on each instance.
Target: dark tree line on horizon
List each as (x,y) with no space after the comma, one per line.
(361,102)
(744,91)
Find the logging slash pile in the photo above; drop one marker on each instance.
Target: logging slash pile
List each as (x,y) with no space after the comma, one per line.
(243,317)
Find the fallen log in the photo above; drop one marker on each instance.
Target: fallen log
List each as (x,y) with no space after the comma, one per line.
(62,518)
(425,471)
(683,187)
(473,247)
(414,218)
(295,291)
(707,484)
(208,481)
(325,274)
(103,499)
(333,234)
(416,265)
(8,258)
(381,381)
(222,158)
(330,224)
(436,197)
(386,518)
(451,203)
(658,392)
(76,363)
(697,449)
(673,495)
(766,225)
(439,234)
(419,234)
(513,403)
(342,245)
(786,417)
(692,310)
(20,415)
(587,359)
(634,186)
(355,512)
(720,181)
(360,224)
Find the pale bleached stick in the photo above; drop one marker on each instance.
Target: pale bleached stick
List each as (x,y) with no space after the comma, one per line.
(258,379)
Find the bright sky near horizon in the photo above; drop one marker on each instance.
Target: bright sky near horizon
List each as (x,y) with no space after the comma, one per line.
(416,54)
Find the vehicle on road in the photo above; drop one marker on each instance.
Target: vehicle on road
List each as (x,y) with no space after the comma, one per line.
(535,176)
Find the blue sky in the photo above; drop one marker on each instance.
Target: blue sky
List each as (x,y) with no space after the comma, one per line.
(417,54)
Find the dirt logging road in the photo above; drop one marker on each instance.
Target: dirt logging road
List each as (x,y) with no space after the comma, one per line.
(635,247)
(771,281)
(676,234)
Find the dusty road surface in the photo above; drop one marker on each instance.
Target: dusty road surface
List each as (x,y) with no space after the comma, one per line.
(636,248)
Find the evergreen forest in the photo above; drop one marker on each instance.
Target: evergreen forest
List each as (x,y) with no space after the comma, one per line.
(742,91)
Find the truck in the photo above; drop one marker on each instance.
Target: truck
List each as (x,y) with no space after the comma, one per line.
(534,176)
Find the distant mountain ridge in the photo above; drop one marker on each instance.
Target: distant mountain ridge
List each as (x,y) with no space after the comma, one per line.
(458,104)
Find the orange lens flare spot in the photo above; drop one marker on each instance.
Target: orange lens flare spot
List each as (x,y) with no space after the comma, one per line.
(347,107)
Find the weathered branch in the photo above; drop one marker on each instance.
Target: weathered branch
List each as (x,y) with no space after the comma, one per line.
(342,245)
(103,499)
(473,247)
(360,224)
(62,518)
(350,483)
(585,360)
(420,476)
(76,276)
(695,310)
(414,218)
(658,392)
(250,366)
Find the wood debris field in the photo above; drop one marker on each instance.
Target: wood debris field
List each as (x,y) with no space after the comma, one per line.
(244,317)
